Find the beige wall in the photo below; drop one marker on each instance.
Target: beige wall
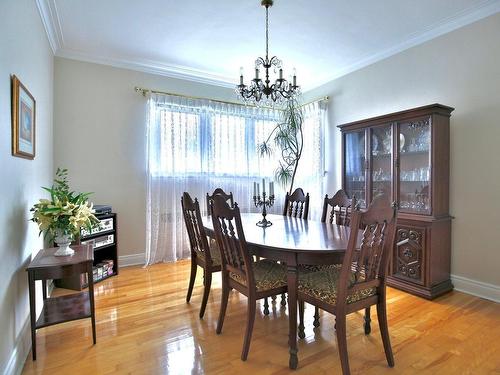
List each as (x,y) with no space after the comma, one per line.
(460,69)
(99,135)
(25,52)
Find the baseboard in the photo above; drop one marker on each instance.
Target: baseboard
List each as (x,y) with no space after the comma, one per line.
(132,260)
(476,288)
(20,352)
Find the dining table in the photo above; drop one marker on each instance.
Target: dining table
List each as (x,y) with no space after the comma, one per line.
(293,241)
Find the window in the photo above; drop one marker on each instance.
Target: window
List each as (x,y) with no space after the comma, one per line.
(210,143)
(199,145)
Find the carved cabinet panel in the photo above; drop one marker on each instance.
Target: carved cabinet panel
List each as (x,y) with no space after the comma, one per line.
(408,257)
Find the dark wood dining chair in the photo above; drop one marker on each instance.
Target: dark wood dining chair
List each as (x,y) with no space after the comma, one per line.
(203,254)
(361,280)
(336,209)
(254,279)
(340,207)
(296,204)
(220,191)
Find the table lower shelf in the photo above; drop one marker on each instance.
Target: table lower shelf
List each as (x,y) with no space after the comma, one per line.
(64,309)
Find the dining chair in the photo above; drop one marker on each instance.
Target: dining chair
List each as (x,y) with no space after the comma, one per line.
(340,207)
(296,204)
(219,191)
(361,280)
(254,279)
(203,252)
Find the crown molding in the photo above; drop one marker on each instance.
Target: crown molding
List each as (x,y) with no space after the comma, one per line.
(51,23)
(152,67)
(464,18)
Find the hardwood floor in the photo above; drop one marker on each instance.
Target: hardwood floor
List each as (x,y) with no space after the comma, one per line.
(144,326)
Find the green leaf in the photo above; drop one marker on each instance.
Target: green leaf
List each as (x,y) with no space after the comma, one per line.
(265,149)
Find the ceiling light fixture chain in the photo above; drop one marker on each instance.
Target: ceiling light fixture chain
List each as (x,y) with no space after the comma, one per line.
(263,92)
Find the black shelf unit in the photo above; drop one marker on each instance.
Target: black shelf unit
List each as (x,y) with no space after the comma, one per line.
(102,251)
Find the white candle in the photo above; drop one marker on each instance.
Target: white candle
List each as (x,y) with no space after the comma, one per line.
(263,186)
(254,189)
(258,189)
(271,187)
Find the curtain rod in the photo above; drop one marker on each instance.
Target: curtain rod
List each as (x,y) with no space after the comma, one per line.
(144,91)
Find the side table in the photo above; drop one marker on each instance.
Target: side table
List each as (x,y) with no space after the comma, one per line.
(61,309)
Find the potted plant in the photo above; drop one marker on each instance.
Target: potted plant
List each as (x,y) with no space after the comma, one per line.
(63,215)
(288,136)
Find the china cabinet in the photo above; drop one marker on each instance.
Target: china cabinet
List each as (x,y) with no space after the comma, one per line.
(406,156)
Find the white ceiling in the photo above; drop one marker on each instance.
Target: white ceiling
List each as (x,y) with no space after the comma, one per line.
(208,41)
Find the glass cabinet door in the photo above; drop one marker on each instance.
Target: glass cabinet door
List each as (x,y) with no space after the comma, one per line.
(414,166)
(354,159)
(381,161)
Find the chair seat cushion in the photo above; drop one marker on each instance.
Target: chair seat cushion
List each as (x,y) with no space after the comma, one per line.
(316,267)
(214,253)
(323,284)
(268,275)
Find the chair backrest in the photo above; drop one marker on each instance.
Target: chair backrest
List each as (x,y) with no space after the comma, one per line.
(367,267)
(231,239)
(219,191)
(297,204)
(194,225)
(341,208)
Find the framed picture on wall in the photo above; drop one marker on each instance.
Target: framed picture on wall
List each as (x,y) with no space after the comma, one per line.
(23,120)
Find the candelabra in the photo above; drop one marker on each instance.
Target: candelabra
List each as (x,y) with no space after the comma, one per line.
(263,202)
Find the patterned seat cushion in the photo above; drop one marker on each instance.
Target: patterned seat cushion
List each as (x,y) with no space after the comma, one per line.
(322,285)
(315,268)
(214,252)
(268,275)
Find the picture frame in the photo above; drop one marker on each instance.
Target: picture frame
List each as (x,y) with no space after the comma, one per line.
(23,120)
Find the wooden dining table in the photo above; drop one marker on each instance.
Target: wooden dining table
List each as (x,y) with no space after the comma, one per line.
(293,241)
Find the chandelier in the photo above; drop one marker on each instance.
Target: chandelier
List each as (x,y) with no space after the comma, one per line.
(262,92)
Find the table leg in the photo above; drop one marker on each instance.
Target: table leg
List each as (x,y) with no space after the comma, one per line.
(44,289)
(31,287)
(292,314)
(90,277)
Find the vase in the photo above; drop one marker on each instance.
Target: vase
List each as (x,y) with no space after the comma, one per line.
(63,241)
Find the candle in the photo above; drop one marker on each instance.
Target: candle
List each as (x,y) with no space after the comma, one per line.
(241,75)
(263,186)
(281,73)
(256,73)
(294,77)
(254,189)
(271,188)
(258,190)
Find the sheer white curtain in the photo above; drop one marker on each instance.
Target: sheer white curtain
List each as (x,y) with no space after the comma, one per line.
(198,145)
(311,170)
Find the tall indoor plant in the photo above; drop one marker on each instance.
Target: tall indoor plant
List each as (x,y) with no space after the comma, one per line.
(288,137)
(63,215)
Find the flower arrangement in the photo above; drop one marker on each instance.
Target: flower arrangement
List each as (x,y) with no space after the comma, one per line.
(66,212)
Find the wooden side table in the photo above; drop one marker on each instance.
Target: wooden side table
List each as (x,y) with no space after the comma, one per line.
(64,308)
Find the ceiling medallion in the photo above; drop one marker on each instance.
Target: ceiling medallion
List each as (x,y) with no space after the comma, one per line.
(262,92)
